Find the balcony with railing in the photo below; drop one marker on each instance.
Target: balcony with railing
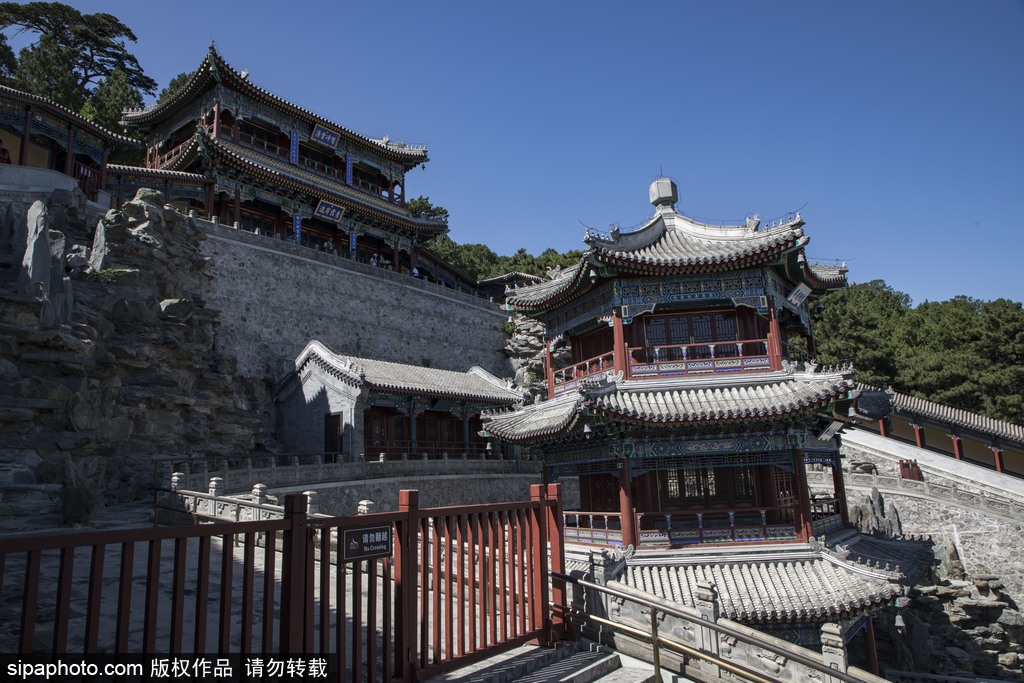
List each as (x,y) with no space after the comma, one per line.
(567,379)
(675,529)
(684,359)
(651,362)
(648,362)
(825,515)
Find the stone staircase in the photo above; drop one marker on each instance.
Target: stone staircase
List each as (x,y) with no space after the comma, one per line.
(571,662)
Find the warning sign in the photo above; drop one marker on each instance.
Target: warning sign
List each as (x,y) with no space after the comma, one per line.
(366,543)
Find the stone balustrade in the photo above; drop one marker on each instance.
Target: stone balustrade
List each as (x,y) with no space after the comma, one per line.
(242,474)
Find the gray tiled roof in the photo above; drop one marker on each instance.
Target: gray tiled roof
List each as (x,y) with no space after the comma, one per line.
(476,384)
(771,590)
(280,168)
(957,416)
(673,240)
(751,396)
(764,396)
(215,68)
(534,294)
(535,421)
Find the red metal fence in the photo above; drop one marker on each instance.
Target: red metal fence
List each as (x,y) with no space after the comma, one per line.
(463,583)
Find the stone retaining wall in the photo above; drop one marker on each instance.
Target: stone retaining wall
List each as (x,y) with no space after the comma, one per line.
(986,528)
(274,297)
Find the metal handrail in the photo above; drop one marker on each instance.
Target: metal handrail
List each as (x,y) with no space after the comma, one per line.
(714,626)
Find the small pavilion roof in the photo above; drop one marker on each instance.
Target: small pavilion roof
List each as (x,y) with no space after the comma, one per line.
(772,585)
(476,384)
(672,243)
(215,69)
(63,113)
(673,400)
(278,172)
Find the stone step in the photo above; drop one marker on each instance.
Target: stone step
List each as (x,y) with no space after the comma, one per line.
(572,662)
(582,667)
(509,666)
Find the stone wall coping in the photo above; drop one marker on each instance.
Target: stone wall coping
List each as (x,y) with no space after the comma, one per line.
(242,479)
(961,471)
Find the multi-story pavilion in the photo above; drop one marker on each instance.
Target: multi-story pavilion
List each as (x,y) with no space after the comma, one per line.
(278,169)
(693,406)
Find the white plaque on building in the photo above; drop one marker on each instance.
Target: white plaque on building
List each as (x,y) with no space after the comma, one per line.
(799,295)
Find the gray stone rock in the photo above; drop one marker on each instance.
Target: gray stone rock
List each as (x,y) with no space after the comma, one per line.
(35,263)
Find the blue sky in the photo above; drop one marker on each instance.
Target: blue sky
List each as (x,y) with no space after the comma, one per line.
(895,126)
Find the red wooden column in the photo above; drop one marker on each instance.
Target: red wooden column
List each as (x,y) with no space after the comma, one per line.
(803,517)
(997,455)
(918,434)
(69,162)
(236,213)
(839,486)
(25,135)
(870,651)
(293,576)
(556,538)
(216,119)
(549,368)
(958,448)
(405,583)
(539,587)
(883,426)
(619,336)
(103,171)
(774,341)
(628,517)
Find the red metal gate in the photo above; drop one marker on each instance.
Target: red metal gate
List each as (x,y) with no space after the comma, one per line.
(464,583)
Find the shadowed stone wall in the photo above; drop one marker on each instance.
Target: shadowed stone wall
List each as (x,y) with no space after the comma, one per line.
(274,297)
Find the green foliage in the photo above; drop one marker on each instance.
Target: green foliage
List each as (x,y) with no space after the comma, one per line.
(479,262)
(176,84)
(857,324)
(422,208)
(109,99)
(89,49)
(107,276)
(8,62)
(47,69)
(962,352)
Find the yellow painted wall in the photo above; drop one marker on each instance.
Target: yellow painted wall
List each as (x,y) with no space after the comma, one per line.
(38,157)
(938,440)
(979,452)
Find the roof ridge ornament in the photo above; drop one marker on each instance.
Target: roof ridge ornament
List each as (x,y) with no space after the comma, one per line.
(664,194)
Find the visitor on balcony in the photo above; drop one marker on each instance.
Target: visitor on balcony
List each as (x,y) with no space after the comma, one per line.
(5,156)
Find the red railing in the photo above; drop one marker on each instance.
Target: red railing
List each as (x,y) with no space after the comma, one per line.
(666,529)
(464,583)
(566,378)
(600,528)
(825,515)
(682,359)
(167,157)
(88,179)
